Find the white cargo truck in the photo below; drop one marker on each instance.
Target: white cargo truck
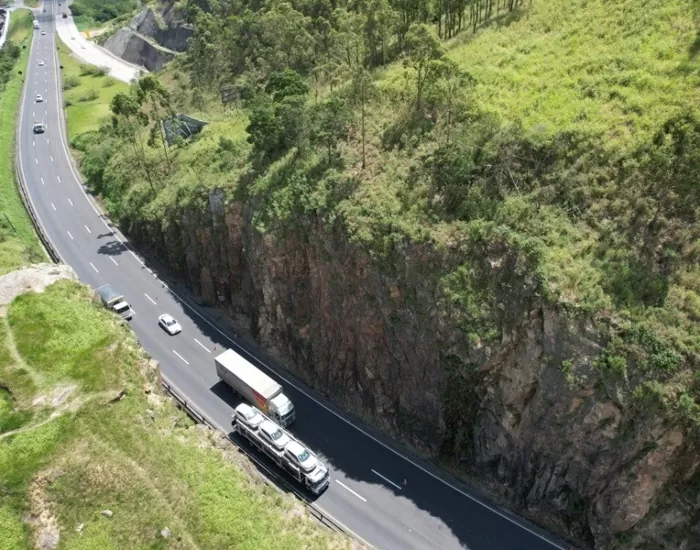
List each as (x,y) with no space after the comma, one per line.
(281,447)
(254,385)
(114,301)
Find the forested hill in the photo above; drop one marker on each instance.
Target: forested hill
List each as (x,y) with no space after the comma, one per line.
(422,204)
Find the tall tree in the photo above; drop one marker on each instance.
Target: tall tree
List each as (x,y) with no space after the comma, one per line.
(446,91)
(127,120)
(423,47)
(333,123)
(363,91)
(150,89)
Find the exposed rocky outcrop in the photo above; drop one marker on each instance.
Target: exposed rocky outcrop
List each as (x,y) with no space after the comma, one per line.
(152,38)
(526,411)
(136,49)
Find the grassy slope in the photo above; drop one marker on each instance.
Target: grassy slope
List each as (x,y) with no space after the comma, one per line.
(86,114)
(68,453)
(611,72)
(31,3)
(20,245)
(90,455)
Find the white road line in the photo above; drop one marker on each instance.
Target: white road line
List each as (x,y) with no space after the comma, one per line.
(151,299)
(387,480)
(181,357)
(93,267)
(88,229)
(71,202)
(33,143)
(47,139)
(34,114)
(363,499)
(37,161)
(113,260)
(42,181)
(51,159)
(71,236)
(58,178)
(53,206)
(78,180)
(200,343)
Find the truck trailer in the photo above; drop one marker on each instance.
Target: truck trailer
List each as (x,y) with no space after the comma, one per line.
(281,447)
(254,385)
(114,301)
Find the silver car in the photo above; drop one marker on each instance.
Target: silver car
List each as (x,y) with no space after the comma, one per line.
(169,324)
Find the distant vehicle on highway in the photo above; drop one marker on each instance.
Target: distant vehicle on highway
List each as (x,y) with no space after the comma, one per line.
(169,324)
(36,24)
(65,15)
(114,301)
(39,128)
(43,33)
(41,63)
(39,99)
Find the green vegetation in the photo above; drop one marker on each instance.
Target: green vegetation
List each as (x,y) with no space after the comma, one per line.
(87,91)
(83,429)
(558,139)
(18,242)
(85,437)
(90,14)
(31,3)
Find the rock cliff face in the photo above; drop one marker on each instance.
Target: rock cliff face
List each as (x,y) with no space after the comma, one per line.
(525,411)
(152,38)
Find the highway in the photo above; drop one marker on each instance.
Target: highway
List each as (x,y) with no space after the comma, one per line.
(367,492)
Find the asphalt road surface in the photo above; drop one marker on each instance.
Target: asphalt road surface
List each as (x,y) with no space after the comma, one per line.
(367,492)
(87,51)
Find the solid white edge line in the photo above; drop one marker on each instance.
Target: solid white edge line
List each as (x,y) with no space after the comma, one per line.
(363,499)
(181,357)
(151,299)
(93,267)
(340,417)
(205,347)
(387,480)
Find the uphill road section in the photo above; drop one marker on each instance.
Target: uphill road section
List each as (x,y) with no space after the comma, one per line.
(379,492)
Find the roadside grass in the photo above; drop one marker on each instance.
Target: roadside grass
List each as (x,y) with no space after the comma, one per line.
(21,25)
(82,449)
(18,241)
(31,3)
(87,93)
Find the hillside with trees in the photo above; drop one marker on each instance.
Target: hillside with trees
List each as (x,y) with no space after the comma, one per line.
(473,223)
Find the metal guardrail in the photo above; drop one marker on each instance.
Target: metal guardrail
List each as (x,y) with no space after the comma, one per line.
(198,417)
(180,400)
(19,175)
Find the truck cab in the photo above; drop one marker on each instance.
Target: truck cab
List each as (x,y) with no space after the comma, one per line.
(282,410)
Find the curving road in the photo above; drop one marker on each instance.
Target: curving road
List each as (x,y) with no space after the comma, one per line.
(89,52)
(367,493)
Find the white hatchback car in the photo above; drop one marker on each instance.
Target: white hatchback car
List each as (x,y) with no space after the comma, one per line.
(41,63)
(170,325)
(39,99)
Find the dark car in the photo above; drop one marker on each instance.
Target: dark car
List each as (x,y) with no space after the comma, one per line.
(39,128)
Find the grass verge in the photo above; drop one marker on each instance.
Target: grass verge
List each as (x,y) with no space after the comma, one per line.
(80,450)
(31,3)
(87,91)
(18,241)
